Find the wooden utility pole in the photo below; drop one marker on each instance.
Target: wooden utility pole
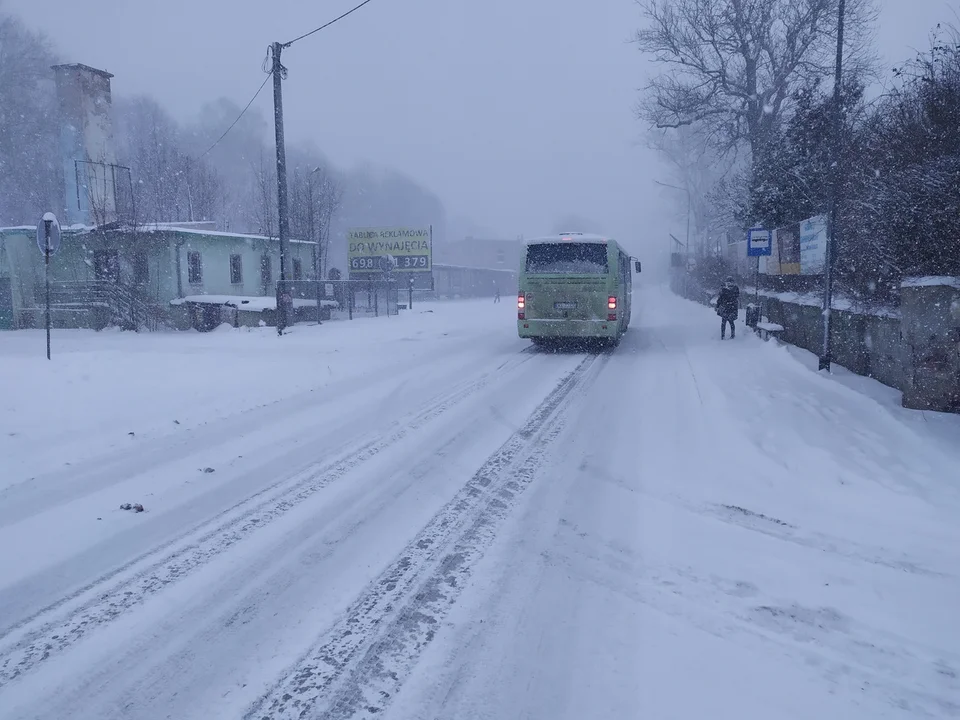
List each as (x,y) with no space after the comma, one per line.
(284,227)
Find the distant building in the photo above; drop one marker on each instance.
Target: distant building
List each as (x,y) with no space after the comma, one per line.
(476,267)
(480,253)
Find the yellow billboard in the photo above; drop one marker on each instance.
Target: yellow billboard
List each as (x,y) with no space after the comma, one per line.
(386,250)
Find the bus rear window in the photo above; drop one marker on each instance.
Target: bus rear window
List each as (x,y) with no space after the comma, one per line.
(567,258)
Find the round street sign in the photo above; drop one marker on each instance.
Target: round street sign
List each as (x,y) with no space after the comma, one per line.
(387,263)
(54,233)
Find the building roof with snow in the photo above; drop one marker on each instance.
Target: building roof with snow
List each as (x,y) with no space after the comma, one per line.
(194,228)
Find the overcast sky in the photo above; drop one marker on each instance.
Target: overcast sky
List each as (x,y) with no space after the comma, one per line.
(515,112)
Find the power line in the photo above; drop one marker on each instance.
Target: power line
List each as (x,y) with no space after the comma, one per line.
(234,123)
(322,27)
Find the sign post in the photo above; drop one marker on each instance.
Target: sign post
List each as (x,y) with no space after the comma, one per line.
(48,240)
(759,244)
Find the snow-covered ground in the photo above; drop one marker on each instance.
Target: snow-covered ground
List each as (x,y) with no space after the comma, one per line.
(418,517)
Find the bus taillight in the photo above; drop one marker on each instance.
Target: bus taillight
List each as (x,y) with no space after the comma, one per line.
(612,302)
(521,305)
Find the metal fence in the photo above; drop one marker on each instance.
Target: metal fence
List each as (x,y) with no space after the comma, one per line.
(347,299)
(99,304)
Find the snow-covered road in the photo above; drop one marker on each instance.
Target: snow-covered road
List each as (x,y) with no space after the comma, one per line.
(419,517)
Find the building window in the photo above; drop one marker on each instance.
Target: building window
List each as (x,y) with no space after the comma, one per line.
(236,270)
(141,268)
(501,257)
(266,270)
(297,269)
(194,268)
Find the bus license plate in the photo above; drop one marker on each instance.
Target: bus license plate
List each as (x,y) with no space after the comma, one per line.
(565,306)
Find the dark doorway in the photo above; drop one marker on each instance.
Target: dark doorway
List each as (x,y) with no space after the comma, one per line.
(106,265)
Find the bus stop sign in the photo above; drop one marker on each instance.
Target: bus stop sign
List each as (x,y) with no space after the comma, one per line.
(759,242)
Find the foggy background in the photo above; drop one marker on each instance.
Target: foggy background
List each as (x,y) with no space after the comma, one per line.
(515,114)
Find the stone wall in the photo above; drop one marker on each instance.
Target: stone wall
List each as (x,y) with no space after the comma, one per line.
(865,344)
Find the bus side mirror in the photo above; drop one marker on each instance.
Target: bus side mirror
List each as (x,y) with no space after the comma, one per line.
(636,266)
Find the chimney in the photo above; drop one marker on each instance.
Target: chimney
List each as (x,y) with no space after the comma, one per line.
(87,155)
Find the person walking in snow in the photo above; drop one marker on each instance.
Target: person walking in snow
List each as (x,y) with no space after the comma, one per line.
(496,298)
(728,307)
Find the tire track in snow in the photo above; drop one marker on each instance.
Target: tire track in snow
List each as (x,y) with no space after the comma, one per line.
(35,639)
(360,663)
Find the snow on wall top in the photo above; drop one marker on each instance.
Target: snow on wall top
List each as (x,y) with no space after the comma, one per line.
(839,302)
(931,281)
(573,237)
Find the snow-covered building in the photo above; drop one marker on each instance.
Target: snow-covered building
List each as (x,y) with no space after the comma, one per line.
(111,269)
(129,276)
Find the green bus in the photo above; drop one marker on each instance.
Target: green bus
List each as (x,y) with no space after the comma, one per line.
(574,286)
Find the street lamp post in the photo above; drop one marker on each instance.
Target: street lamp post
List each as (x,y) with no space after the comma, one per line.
(313,236)
(689,205)
(834,225)
(686,269)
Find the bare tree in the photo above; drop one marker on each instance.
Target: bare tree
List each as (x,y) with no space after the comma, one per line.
(328,201)
(695,169)
(148,141)
(731,66)
(28,125)
(264,196)
(202,188)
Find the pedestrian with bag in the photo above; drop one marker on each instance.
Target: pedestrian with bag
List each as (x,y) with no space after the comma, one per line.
(728,307)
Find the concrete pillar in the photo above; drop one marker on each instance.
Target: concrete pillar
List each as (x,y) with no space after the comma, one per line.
(87,154)
(930,327)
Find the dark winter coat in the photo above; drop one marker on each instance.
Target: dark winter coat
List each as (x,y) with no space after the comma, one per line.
(728,303)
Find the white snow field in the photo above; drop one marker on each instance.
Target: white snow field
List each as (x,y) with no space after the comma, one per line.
(420,518)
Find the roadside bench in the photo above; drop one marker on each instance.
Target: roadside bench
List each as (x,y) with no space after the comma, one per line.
(766,330)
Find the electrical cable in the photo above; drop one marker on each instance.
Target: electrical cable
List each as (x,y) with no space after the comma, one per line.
(322,27)
(242,112)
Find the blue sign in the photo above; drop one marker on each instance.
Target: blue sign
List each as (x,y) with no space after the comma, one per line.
(759,242)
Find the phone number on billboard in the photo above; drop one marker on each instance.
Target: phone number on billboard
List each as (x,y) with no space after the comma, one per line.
(404,262)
